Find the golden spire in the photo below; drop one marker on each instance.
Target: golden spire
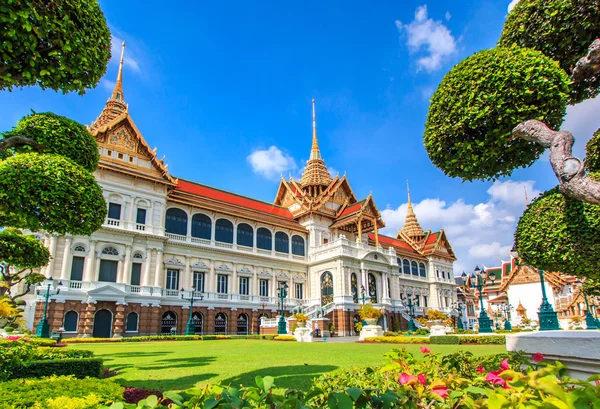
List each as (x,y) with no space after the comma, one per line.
(315,172)
(411,228)
(118,91)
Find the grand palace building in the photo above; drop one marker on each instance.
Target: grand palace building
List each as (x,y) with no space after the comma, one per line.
(166,239)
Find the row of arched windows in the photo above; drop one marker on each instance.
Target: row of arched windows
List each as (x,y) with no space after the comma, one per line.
(412,267)
(371,291)
(177,220)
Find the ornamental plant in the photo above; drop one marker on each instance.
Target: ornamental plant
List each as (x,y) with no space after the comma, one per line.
(499,109)
(367,311)
(301,317)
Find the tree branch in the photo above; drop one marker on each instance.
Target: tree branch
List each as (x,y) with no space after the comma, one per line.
(27,288)
(589,65)
(569,170)
(13,141)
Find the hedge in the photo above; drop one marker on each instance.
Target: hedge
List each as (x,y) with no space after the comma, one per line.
(445,339)
(77,367)
(397,340)
(483,339)
(146,338)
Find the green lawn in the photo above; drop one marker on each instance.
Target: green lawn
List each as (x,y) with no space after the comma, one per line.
(176,365)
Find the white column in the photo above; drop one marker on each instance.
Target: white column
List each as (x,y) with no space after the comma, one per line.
(235,235)
(66,261)
(132,213)
(235,285)
(254,290)
(146,278)
(126,269)
(50,270)
(291,289)
(187,274)
(254,239)
(363,281)
(212,288)
(90,263)
(212,230)
(159,270)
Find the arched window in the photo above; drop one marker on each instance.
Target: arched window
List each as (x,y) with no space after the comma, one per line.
(444,275)
(264,239)
(406,266)
(176,221)
(372,288)
(110,251)
(414,268)
(326,288)
(201,226)
(79,249)
(354,287)
(282,242)
(242,324)
(131,324)
(297,245)
(220,323)
(70,322)
(224,231)
(168,323)
(138,256)
(422,270)
(245,235)
(198,321)
(399,261)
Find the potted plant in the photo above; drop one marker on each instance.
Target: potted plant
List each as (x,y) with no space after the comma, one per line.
(369,314)
(301,319)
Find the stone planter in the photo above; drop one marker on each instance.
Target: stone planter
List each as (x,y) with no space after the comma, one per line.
(371,321)
(301,324)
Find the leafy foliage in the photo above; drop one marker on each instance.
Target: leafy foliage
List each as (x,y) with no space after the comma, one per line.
(78,367)
(367,311)
(468,133)
(559,233)
(444,339)
(60,135)
(49,192)
(9,313)
(62,45)
(562,30)
(592,149)
(22,251)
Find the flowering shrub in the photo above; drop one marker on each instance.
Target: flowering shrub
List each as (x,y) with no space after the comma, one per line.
(367,311)
(301,317)
(397,340)
(285,338)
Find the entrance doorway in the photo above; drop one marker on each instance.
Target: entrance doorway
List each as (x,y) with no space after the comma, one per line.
(103,324)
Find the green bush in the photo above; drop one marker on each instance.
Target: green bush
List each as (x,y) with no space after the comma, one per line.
(59,392)
(592,153)
(445,339)
(391,334)
(483,339)
(78,367)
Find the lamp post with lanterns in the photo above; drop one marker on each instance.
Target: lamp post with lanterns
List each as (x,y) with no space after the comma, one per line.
(281,294)
(506,308)
(43,328)
(590,321)
(190,327)
(411,310)
(478,282)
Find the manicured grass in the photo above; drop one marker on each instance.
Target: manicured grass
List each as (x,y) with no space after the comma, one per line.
(176,365)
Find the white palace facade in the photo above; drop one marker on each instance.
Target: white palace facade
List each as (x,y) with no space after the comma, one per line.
(166,238)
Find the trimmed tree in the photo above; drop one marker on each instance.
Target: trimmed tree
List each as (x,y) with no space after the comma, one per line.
(63,45)
(497,110)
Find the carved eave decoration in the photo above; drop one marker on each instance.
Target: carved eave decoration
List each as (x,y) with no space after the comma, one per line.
(366,216)
(525,275)
(442,247)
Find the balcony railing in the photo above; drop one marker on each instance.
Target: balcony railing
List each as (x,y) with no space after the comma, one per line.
(113,222)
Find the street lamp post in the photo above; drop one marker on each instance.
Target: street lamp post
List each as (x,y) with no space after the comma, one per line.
(43,328)
(480,281)
(363,291)
(590,322)
(282,293)
(506,308)
(411,312)
(190,327)
(547,317)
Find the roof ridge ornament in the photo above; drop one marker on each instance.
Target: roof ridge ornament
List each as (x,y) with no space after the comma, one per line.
(315,173)
(411,228)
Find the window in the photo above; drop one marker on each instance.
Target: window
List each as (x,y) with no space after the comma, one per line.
(120,155)
(406,266)
(201,226)
(224,231)
(79,249)
(282,242)
(176,221)
(325,241)
(131,323)
(425,301)
(138,256)
(244,285)
(245,235)
(141,216)
(444,275)
(172,279)
(220,323)
(222,284)
(198,321)
(422,270)
(242,324)
(198,281)
(108,271)
(77,268)
(297,245)
(389,288)
(136,273)
(372,283)
(399,261)
(168,322)
(264,288)
(299,291)
(70,322)
(354,287)
(114,211)
(110,251)
(414,268)
(264,239)
(326,288)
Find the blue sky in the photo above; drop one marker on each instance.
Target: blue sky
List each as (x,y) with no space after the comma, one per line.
(224,91)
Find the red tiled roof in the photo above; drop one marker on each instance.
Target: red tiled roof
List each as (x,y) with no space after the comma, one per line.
(232,198)
(390,241)
(351,209)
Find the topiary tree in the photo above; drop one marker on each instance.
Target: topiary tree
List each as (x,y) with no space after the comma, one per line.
(497,110)
(60,44)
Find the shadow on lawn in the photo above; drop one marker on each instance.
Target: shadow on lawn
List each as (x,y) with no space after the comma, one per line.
(183,362)
(295,376)
(183,382)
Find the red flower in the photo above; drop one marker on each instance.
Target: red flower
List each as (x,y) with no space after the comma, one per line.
(422,379)
(405,378)
(441,391)
(504,364)
(480,369)
(537,357)
(493,378)
(425,350)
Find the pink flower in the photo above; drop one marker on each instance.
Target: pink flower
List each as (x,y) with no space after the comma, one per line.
(422,379)
(441,391)
(504,364)
(492,377)
(405,378)
(425,350)
(537,357)
(480,369)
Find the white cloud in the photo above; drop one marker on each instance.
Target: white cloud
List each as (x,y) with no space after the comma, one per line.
(107,84)
(479,233)
(271,163)
(512,5)
(582,120)
(128,61)
(424,35)
(333,172)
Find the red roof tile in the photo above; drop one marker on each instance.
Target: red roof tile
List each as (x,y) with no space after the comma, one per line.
(232,198)
(390,241)
(351,209)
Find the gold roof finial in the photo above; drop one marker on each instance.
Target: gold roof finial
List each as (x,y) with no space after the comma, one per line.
(314,152)
(411,227)
(315,172)
(118,92)
(410,208)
